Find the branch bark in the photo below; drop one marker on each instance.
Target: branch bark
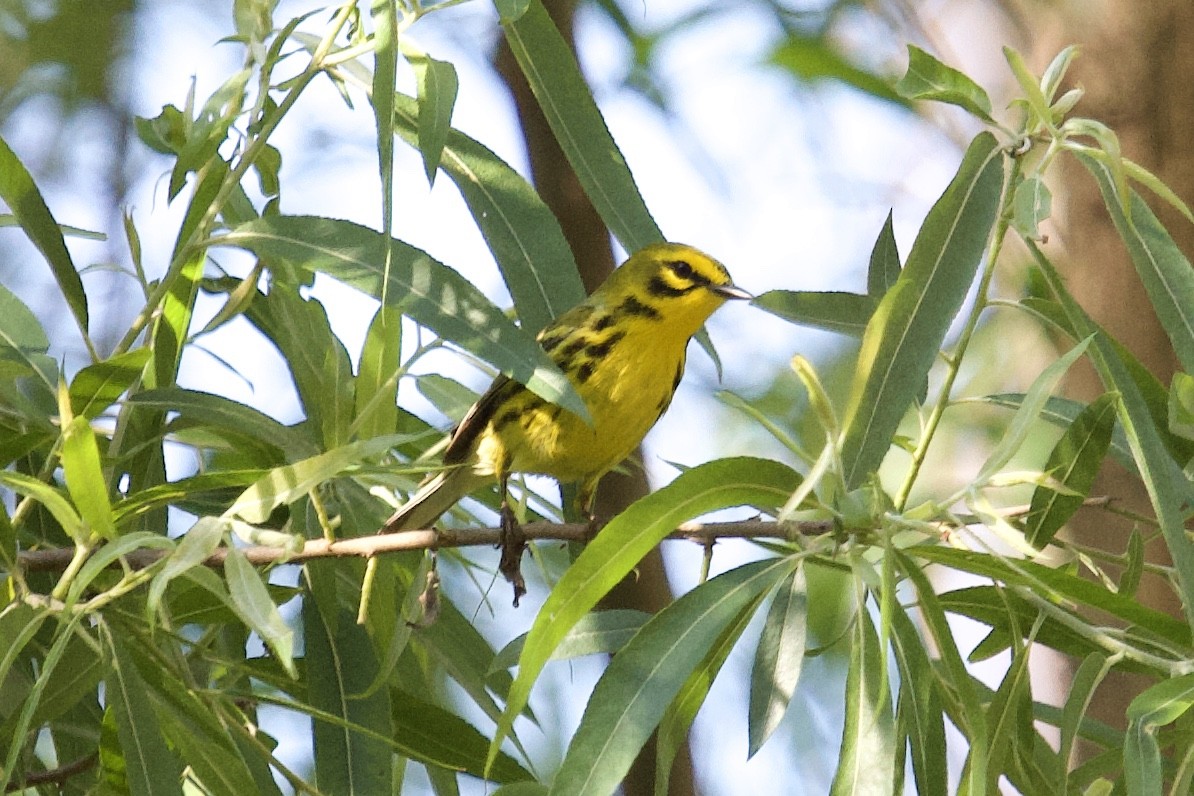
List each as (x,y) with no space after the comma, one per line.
(56,559)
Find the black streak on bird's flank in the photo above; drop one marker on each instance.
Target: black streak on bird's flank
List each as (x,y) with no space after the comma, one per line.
(603,322)
(552,340)
(584,372)
(632,306)
(658,286)
(602,349)
(574,346)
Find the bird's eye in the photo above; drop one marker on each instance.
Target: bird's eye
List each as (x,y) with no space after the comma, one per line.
(681,269)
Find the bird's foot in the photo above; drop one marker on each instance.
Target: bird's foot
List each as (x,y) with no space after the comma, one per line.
(512,542)
(594,527)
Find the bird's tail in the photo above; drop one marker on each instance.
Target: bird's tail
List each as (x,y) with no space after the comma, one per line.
(438,494)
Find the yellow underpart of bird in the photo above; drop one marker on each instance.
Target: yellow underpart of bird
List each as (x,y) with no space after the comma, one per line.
(623,350)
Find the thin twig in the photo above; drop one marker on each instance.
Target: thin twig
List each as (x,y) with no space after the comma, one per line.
(56,559)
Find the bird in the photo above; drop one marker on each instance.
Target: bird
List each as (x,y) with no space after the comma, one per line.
(623,349)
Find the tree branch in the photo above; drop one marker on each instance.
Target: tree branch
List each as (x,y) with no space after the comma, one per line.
(56,559)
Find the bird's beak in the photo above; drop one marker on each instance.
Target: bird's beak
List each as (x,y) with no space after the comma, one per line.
(731,292)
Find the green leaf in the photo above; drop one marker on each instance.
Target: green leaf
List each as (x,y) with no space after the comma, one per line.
(437,86)
(906,332)
(1030,86)
(779,658)
(567,103)
(1164,271)
(429,292)
(385,74)
(884,267)
(1009,717)
(817,58)
(224,413)
(644,678)
(376,412)
(595,633)
(929,79)
(1181,405)
(19,328)
(524,235)
(52,498)
(98,385)
(1166,485)
(847,313)
(679,716)
(623,543)
(193,549)
(1164,702)
(341,663)
(1086,679)
(1032,203)
(1142,761)
(19,192)
(1073,463)
(85,478)
(283,485)
(255,606)
(150,767)
(426,732)
(1026,415)
(970,715)
(448,396)
(1056,583)
(866,761)
(920,704)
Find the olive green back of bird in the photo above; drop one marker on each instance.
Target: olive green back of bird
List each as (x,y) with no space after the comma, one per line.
(623,350)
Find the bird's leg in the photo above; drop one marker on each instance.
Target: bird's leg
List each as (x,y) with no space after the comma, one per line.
(512,542)
(585,496)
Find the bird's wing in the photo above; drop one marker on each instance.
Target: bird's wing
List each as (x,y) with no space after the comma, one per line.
(475,420)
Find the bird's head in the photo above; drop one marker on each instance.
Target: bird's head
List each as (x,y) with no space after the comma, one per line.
(673,283)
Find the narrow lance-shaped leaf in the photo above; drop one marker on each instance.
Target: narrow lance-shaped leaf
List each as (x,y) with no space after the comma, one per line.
(644,678)
(255,606)
(779,658)
(567,103)
(430,734)
(884,267)
(437,85)
(20,193)
(341,663)
(623,543)
(679,716)
(866,761)
(847,313)
(1026,415)
(920,705)
(430,293)
(85,477)
(385,68)
(907,330)
(1164,271)
(1073,463)
(149,765)
(98,385)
